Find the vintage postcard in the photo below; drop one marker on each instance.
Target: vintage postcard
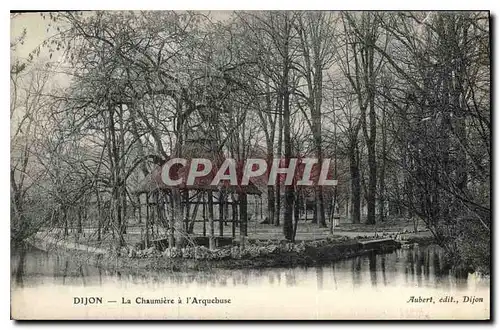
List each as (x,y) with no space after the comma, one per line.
(256,165)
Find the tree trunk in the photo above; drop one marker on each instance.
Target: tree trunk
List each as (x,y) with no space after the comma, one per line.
(278,153)
(289,189)
(79,223)
(382,169)
(146,226)
(370,140)
(115,170)
(355,184)
(372,179)
(65,219)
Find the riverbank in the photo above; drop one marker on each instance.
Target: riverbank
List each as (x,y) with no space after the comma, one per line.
(254,255)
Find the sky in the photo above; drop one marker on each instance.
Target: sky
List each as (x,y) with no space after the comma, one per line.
(36,28)
(36,32)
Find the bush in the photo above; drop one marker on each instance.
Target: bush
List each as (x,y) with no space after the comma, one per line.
(470,250)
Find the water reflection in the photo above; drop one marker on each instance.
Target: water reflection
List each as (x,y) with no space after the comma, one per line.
(356,270)
(382,265)
(319,278)
(373,268)
(420,267)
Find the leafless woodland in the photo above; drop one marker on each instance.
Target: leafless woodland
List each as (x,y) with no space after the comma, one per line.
(400,101)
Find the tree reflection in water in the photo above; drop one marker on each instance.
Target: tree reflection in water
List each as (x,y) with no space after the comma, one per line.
(382,265)
(372,257)
(319,278)
(356,271)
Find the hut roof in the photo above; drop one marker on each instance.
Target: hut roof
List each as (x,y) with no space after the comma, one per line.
(153,181)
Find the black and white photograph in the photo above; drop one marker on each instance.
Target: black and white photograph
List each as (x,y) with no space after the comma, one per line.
(250,165)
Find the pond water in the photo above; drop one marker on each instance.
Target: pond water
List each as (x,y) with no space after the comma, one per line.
(358,287)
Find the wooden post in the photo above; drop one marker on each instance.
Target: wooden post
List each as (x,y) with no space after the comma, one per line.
(211,239)
(140,209)
(154,212)
(188,210)
(296,213)
(347,207)
(332,225)
(260,199)
(242,200)
(204,216)
(171,234)
(226,207)
(305,207)
(194,214)
(221,213)
(235,216)
(140,213)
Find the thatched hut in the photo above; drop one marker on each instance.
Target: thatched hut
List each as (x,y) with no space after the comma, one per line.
(176,210)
